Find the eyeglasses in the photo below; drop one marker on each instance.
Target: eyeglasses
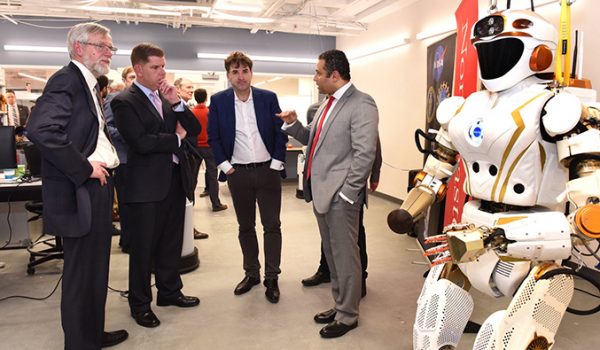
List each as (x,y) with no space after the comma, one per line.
(101,46)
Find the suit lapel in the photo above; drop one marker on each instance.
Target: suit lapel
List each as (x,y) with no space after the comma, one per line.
(88,94)
(333,115)
(145,101)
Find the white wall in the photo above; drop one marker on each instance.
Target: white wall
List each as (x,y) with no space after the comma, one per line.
(396,78)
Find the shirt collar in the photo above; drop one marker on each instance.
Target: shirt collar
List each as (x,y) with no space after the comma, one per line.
(144,89)
(236,99)
(90,79)
(340,92)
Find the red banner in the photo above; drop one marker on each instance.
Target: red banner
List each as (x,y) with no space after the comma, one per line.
(465,83)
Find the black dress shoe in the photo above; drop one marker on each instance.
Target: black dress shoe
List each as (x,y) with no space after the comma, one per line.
(325,317)
(336,329)
(114,338)
(200,235)
(181,301)
(146,319)
(316,279)
(272,292)
(245,285)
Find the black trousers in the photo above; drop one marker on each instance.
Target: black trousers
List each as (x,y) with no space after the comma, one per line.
(249,186)
(85,274)
(362,248)
(210,176)
(156,239)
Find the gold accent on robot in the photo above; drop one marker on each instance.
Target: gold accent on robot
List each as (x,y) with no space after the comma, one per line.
(538,343)
(509,174)
(516,114)
(509,219)
(541,269)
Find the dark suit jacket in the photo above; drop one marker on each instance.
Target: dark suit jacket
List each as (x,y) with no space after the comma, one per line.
(64,126)
(23,114)
(152,142)
(221,124)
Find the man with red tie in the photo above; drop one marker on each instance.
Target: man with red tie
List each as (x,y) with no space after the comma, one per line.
(342,143)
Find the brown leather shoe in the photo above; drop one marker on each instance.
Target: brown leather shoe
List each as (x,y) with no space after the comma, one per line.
(220,207)
(200,235)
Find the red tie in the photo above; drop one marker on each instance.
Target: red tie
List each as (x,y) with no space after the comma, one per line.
(317,133)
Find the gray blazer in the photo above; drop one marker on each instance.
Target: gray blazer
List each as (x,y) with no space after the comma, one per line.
(345,151)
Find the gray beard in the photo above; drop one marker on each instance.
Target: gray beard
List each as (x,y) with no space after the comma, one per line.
(96,68)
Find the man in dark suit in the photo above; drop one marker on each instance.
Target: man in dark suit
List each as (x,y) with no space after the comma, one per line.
(17,114)
(153,121)
(341,146)
(249,148)
(78,157)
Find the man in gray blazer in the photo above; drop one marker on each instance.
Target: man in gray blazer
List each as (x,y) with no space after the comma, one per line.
(341,150)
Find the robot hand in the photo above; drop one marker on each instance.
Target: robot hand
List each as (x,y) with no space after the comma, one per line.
(464,243)
(428,190)
(430,185)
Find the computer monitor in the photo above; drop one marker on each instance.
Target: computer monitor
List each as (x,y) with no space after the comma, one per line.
(8,150)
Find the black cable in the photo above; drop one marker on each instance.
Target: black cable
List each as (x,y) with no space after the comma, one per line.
(8,219)
(588,293)
(123,293)
(34,298)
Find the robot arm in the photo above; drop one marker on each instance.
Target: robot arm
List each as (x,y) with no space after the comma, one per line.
(430,183)
(538,236)
(576,129)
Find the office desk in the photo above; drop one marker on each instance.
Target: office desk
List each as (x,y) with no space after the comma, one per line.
(18,194)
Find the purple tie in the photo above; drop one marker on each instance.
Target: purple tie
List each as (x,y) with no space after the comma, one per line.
(157,103)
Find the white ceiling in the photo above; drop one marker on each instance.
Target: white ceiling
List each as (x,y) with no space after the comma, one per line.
(317,17)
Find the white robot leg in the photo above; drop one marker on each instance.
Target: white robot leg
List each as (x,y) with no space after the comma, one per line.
(533,316)
(443,310)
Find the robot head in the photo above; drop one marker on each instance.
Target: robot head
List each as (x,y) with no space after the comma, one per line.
(511,46)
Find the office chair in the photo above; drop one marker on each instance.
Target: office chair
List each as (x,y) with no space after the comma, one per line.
(47,249)
(43,250)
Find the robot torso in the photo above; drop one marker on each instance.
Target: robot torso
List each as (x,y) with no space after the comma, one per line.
(498,136)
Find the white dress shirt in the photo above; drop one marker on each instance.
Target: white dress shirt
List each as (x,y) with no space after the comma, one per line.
(104,152)
(13,115)
(249,146)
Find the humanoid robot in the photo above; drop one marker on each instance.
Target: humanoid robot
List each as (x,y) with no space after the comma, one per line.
(528,148)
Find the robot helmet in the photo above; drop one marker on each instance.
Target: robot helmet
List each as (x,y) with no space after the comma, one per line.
(513,45)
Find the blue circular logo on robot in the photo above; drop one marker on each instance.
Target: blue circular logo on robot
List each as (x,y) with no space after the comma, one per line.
(475,136)
(438,62)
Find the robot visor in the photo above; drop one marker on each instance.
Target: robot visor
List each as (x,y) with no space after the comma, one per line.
(498,57)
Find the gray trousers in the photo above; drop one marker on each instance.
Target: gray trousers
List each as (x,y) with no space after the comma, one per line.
(262,186)
(339,234)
